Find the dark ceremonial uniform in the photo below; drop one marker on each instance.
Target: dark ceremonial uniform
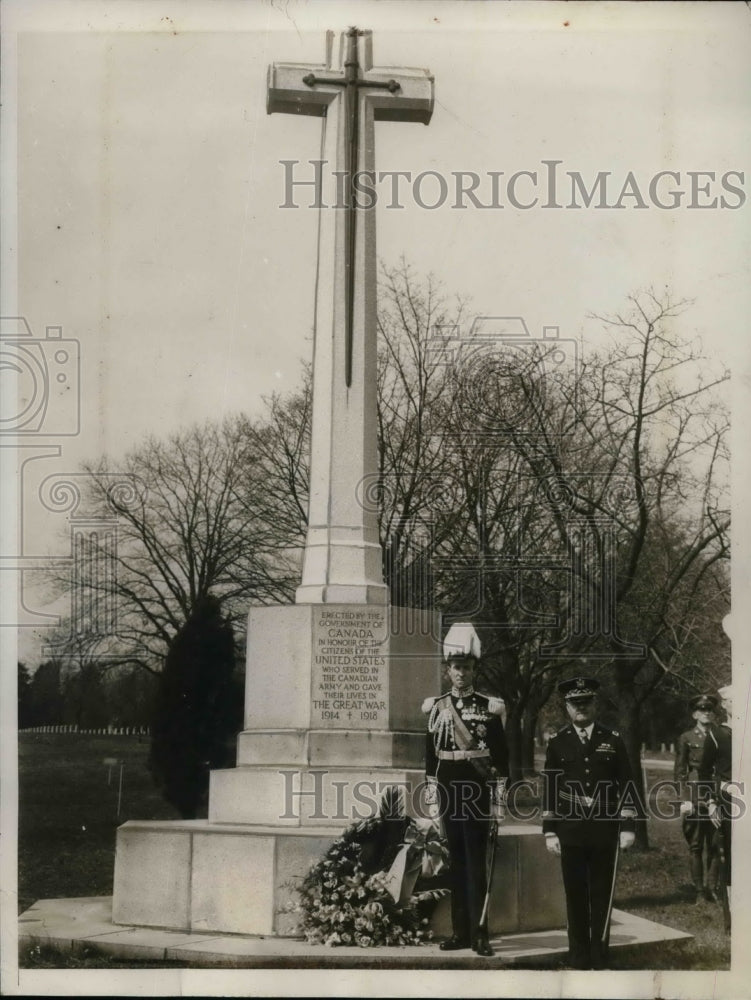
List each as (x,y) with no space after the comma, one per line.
(716,767)
(466,753)
(697,829)
(583,788)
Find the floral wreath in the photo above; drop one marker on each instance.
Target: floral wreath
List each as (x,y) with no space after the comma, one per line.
(362,891)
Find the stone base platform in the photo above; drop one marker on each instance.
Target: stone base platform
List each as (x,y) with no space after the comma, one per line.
(72,924)
(237,879)
(331,796)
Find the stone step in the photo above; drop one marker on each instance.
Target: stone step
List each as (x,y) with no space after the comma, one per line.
(70,924)
(294,796)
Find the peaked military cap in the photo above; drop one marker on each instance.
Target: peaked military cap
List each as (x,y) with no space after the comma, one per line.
(578,687)
(707,702)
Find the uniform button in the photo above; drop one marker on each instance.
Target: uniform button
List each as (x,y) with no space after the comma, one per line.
(586,770)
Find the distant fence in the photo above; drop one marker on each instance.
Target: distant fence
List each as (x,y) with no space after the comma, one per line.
(75,730)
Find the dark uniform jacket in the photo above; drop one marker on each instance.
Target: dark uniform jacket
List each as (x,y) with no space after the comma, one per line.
(717,758)
(481,716)
(688,756)
(587,791)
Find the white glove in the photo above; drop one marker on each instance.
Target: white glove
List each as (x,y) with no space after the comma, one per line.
(553,844)
(626,839)
(715,817)
(686,808)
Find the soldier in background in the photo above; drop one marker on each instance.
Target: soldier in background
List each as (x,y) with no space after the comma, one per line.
(585,820)
(697,828)
(466,769)
(716,769)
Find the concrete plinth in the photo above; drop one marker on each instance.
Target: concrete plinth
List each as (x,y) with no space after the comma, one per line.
(197,876)
(526,889)
(237,879)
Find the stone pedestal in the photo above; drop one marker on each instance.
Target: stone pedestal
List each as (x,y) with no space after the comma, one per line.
(237,879)
(332,718)
(332,713)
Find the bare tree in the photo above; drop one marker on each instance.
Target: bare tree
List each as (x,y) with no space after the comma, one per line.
(186,529)
(414,490)
(276,478)
(645,497)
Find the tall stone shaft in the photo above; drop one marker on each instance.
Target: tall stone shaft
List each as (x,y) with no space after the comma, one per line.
(343,560)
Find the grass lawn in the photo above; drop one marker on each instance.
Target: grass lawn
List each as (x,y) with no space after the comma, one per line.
(656,884)
(68,811)
(68,820)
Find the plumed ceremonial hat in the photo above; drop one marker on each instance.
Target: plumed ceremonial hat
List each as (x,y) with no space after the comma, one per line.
(708,702)
(578,687)
(461,640)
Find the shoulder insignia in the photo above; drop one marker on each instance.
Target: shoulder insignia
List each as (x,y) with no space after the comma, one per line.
(496,706)
(427,705)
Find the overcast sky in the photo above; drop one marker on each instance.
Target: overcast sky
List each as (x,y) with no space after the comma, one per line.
(149,186)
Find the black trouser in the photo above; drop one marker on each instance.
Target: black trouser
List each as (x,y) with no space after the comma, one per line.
(465,807)
(721,840)
(588,878)
(699,835)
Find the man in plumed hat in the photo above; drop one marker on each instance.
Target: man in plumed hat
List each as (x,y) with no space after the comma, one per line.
(697,828)
(466,769)
(586,818)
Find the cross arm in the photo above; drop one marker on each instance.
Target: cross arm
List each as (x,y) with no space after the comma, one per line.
(286,92)
(412,102)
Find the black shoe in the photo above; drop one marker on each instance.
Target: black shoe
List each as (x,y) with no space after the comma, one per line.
(709,894)
(482,946)
(454,943)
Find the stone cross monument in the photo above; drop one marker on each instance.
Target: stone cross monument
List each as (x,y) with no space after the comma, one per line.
(334,682)
(349,671)
(342,562)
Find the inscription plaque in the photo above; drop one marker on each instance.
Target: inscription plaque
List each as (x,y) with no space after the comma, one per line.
(350,668)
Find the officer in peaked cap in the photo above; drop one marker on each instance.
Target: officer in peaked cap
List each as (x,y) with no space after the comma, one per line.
(585,821)
(698,831)
(715,769)
(466,768)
